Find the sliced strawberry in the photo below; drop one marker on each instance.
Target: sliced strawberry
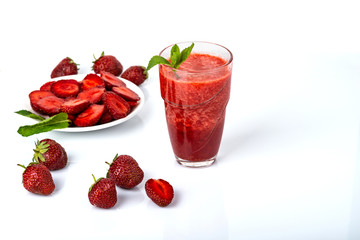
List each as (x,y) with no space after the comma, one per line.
(111,80)
(92,80)
(116,105)
(46,86)
(74,106)
(133,104)
(35,96)
(49,105)
(126,93)
(106,117)
(93,95)
(159,191)
(65,88)
(90,116)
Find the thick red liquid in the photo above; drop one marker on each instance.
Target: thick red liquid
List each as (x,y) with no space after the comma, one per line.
(195,98)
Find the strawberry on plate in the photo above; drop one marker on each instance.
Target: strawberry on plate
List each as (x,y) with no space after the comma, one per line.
(93,95)
(92,80)
(74,106)
(65,88)
(35,97)
(90,116)
(116,105)
(111,80)
(50,105)
(126,93)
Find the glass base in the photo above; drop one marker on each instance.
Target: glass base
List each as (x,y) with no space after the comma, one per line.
(196,164)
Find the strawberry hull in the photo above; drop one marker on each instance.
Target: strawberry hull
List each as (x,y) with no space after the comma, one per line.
(195,102)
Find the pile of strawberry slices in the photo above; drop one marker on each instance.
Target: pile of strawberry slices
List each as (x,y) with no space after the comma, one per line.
(96,99)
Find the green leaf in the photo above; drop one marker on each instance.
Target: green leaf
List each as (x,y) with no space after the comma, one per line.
(184,55)
(57,121)
(157,60)
(175,55)
(29,114)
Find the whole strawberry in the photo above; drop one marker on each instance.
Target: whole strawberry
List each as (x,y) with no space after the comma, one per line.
(65,67)
(125,171)
(107,63)
(159,191)
(37,179)
(102,193)
(135,74)
(50,153)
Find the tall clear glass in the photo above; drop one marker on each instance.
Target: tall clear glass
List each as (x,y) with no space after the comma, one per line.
(195,98)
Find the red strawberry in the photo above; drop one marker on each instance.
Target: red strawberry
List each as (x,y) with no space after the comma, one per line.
(74,106)
(125,171)
(111,80)
(102,193)
(106,117)
(90,116)
(35,97)
(65,88)
(50,153)
(66,67)
(93,95)
(92,80)
(135,74)
(159,191)
(107,63)
(126,93)
(116,105)
(37,179)
(47,86)
(49,105)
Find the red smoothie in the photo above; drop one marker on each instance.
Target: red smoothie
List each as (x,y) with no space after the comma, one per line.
(195,98)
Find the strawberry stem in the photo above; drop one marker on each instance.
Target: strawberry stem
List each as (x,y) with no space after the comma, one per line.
(21,166)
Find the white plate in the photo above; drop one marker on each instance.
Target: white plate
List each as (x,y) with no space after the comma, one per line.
(133,112)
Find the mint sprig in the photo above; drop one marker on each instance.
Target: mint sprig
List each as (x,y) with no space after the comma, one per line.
(177,57)
(57,121)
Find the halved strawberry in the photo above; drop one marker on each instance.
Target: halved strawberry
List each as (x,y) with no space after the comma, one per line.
(126,93)
(65,88)
(90,116)
(159,191)
(106,117)
(93,95)
(111,80)
(49,105)
(116,105)
(47,86)
(74,106)
(36,95)
(92,80)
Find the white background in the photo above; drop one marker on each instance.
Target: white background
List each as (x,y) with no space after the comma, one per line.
(288,167)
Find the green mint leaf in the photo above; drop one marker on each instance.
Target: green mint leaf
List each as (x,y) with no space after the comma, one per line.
(29,114)
(157,60)
(57,121)
(184,55)
(174,55)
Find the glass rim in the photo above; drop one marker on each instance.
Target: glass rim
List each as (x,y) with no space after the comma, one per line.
(228,62)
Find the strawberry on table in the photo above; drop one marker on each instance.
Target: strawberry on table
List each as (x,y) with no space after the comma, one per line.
(65,67)
(107,63)
(159,191)
(135,74)
(65,88)
(37,179)
(116,105)
(90,116)
(50,153)
(102,193)
(125,171)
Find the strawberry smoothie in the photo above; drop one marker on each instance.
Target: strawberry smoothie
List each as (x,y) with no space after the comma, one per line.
(195,98)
